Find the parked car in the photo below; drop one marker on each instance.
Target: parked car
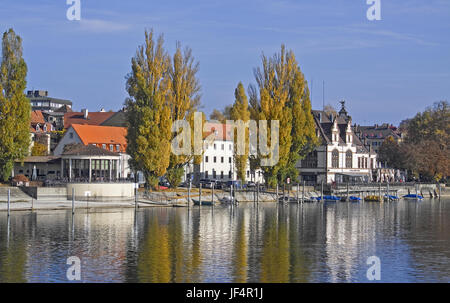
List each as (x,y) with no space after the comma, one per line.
(219,184)
(206,183)
(250,184)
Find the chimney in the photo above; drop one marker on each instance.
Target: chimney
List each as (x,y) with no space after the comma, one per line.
(85,113)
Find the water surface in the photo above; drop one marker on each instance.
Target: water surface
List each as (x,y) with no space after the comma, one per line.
(312,242)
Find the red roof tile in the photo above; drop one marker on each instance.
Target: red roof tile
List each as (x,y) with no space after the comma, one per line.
(99,135)
(37,117)
(94,118)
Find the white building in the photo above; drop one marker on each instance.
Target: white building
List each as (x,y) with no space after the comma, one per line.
(341,156)
(110,138)
(217,159)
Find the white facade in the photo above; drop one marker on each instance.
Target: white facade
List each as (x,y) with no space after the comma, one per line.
(72,137)
(341,157)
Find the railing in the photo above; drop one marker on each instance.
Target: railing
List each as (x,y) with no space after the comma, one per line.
(63,182)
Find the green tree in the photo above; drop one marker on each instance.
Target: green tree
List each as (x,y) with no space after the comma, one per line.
(15,109)
(147,110)
(239,111)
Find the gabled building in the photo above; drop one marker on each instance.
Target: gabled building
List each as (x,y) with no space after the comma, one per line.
(112,139)
(40,130)
(86,118)
(341,156)
(376,134)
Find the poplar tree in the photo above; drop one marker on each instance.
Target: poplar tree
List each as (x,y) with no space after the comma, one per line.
(148,112)
(240,111)
(282,94)
(184,99)
(15,112)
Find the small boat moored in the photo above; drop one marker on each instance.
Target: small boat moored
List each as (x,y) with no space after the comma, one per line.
(391,198)
(329,198)
(412,197)
(354,199)
(204,203)
(372,198)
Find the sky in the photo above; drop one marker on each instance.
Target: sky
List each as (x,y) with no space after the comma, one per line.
(386,70)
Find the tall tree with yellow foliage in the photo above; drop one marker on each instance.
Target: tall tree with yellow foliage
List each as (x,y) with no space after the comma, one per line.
(282,94)
(147,110)
(183,100)
(240,111)
(14,105)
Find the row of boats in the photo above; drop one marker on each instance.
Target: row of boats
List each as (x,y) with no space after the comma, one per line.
(326,198)
(371,198)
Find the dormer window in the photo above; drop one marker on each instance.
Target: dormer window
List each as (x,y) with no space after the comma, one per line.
(38,127)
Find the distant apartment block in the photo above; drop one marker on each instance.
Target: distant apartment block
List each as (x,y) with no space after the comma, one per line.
(40,100)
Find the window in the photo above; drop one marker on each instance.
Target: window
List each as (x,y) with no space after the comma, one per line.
(348,159)
(221,175)
(248,173)
(215,158)
(223,146)
(229,147)
(214,174)
(38,128)
(229,174)
(229,159)
(335,159)
(215,146)
(117,147)
(365,162)
(111,147)
(104,146)
(310,161)
(206,159)
(221,159)
(206,174)
(71,135)
(359,162)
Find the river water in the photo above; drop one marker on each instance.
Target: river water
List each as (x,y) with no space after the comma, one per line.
(311,242)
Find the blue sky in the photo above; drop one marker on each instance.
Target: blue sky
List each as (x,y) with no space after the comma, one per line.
(386,70)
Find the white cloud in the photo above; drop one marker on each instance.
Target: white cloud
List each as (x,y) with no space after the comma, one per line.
(102,26)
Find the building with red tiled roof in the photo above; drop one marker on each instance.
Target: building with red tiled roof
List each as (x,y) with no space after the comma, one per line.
(107,137)
(85,117)
(38,123)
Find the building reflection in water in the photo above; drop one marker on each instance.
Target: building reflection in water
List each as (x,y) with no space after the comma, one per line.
(248,243)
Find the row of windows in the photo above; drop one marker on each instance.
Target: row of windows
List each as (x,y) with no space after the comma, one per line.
(363,163)
(335,159)
(44,128)
(222,146)
(215,159)
(46,104)
(311,160)
(111,147)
